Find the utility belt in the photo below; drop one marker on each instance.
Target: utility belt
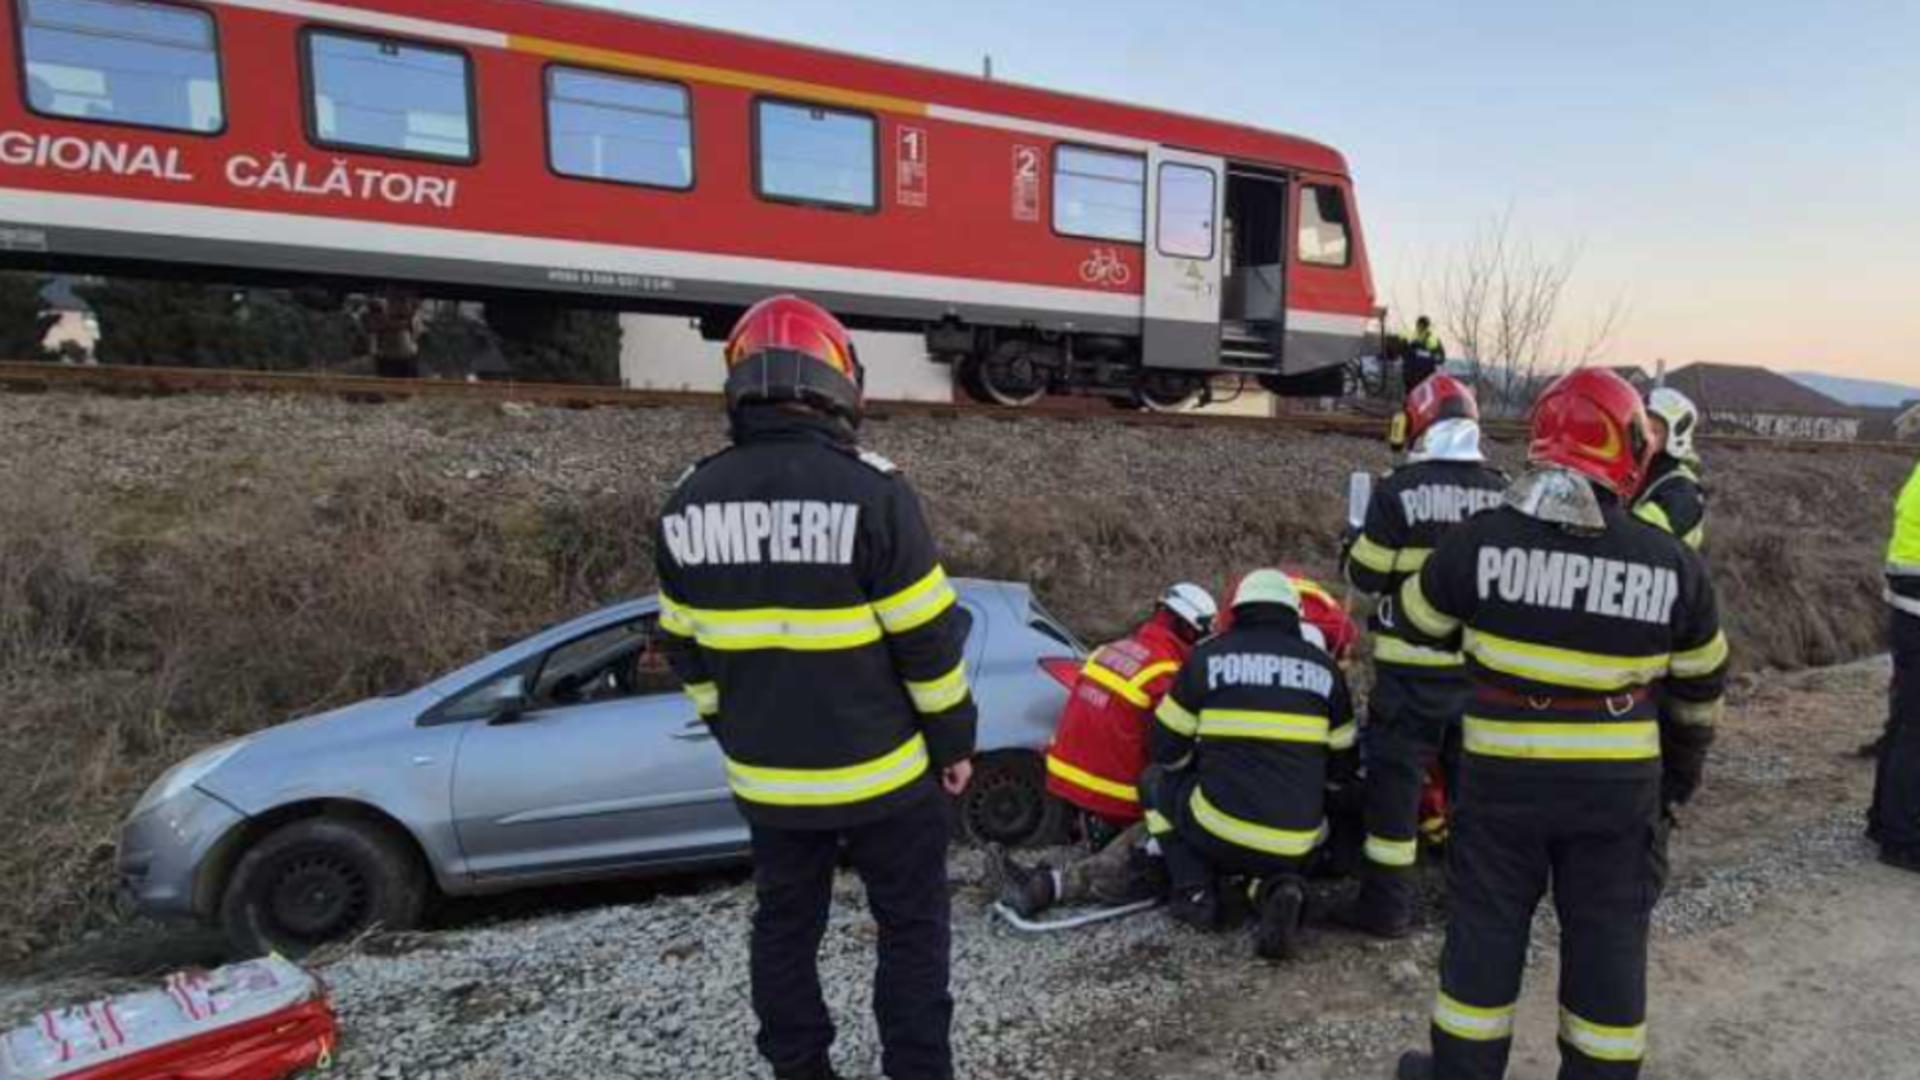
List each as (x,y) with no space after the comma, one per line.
(1619,704)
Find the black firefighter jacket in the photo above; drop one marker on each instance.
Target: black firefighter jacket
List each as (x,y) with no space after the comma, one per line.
(1565,631)
(1411,509)
(1263,717)
(807,613)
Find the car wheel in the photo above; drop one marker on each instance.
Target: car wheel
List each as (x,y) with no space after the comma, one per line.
(1007,802)
(318,880)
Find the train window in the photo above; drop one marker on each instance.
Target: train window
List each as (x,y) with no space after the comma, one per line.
(369,93)
(1323,225)
(814,155)
(124,62)
(1187,198)
(1099,194)
(614,127)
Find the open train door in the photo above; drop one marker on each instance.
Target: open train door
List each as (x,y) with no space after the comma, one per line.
(1184,253)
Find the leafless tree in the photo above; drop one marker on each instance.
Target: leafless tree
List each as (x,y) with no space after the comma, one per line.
(1501,303)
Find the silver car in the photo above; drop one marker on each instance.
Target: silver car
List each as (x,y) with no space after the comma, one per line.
(569,756)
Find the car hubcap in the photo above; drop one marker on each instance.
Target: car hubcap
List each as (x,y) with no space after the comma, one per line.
(1003,808)
(318,896)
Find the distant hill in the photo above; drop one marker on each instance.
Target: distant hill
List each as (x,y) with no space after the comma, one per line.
(1867,392)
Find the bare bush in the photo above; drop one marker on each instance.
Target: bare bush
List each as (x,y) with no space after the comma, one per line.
(1501,303)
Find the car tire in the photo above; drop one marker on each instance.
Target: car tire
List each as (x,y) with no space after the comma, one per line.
(319,880)
(1007,802)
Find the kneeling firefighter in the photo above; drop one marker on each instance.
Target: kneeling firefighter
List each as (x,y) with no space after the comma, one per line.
(1128,867)
(1243,748)
(1674,497)
(1100,745)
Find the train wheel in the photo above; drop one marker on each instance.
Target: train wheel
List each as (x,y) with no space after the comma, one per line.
(1009,377)
(1167,391)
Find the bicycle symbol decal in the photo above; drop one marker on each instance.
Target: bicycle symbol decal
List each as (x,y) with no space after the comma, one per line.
(1104,267)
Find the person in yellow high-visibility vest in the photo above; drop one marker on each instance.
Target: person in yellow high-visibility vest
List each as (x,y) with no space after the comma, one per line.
(1894,822)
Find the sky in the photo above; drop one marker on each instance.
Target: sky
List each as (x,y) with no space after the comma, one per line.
(1741,179)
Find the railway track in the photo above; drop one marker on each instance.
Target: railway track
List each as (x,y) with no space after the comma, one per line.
(30,377)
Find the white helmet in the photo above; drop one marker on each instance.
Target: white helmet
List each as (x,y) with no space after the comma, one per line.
(1682,418)
(1192,605)
(1266,586)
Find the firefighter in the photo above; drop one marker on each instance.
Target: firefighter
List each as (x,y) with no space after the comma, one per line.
(810,621)
(1674,497)
(1894,823)
(1418,692)
(1244,745)
(1125,869)
(1100,744)
(1424,356)
(1570,610)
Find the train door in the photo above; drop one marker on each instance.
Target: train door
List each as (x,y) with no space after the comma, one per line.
(1183,260)
(1253,311)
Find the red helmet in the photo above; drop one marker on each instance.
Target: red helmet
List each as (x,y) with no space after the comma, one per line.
(788,349)
(1438,397)
(1592,421)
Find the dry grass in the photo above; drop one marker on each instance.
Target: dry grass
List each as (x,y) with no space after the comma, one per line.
(131,633)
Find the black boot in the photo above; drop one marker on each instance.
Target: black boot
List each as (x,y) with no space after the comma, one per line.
(1380,908)
(1281,903)
(1026,892)
(1901,858)
(1414,1065)
(1197,905)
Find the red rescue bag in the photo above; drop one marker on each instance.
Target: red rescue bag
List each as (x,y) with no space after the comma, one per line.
(260,1020)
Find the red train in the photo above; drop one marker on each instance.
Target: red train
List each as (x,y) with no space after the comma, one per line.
(1041,241)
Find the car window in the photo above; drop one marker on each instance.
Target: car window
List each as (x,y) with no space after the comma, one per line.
(619,661)
(482,701)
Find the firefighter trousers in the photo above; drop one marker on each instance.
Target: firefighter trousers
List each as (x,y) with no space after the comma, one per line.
(902,861)
(1195,857)
(1410,717)
(1601,846)
(1895,819)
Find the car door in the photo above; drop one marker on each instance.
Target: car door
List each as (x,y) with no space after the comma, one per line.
(605,767)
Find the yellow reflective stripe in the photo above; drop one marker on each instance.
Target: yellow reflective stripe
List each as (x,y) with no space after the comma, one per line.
(1603,1042)
(1428,619)
(1343,737)
(916,605)
(1654,514)
(706,697)
(1391,650)
(1703,660)
(1151,672)
(1384,852)
(1157,823)
(939,694)
(1634,740)
(1177,718)
(1697,537)
(1696,713)
(1412,559)
(1472,1022)
(1563,667)
(1082,778)
(1374,556)
(1262,724)
(830,787)
(807,630)
(1112,681)
(673,617)
(1252,835)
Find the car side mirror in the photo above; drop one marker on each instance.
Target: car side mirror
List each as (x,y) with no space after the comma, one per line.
(509,704)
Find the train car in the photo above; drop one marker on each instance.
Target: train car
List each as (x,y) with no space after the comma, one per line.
(1042,242)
